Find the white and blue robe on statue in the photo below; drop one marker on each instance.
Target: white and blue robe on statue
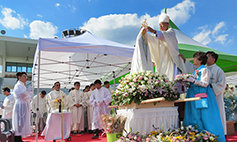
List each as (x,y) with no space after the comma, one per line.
(162,50)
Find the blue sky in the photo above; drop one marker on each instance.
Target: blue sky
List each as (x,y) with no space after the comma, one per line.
(211,22)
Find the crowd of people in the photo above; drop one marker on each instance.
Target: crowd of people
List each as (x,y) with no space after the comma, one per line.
(86,106)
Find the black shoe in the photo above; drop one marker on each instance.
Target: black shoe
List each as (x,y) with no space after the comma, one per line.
(90,132)
(96,136)
(82,132)
(74,133)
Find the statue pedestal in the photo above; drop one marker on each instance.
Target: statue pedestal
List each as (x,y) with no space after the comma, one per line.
(142,119)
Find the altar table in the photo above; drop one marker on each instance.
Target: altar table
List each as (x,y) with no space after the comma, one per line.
(52,130)
(142,119)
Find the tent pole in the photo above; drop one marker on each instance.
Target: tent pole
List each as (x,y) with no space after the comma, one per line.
(37,110)
(114,79)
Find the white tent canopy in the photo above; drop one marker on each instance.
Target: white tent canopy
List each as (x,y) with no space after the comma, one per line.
(82,58)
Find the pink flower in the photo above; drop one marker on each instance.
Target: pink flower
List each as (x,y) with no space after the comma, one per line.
(205,138)
(119,80)
(148,139)
(134,80)
(130,136)
(109,124)
(140,78)
(158,81)
(110,118)
(138,138)
(177,76)
(150,79)
(166,80)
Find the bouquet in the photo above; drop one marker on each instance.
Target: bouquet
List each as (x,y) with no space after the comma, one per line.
(113,123)
(182,77)
(144,85)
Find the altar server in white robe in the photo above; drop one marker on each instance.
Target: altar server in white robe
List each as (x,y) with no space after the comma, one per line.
(107,85)
(163,48)
(21,109)
(217,81)
(56,94)
(90,108)
(7,104)
(100,99)
(76,102)
(42,108)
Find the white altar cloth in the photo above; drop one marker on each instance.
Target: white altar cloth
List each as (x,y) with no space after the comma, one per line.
(142,119)
(52,130)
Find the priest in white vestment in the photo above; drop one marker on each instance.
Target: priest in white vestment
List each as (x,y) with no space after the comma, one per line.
(54,96)
(90,108)
(217,82)
(8,104)
(42,108)
(100,100)
(161,48)
(21,110)
(76,102)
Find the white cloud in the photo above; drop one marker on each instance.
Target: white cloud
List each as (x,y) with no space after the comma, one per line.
(11,22)
(57,4)
(221,38)
(180,13)
(39,15)
(203,36)
(25,36)
(217,28)
(124,28)
(42,29)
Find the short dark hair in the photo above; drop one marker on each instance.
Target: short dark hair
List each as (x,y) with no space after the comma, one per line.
(213,54)
(106,82)
(6,89)
(53,86)
(19,74)
(92,84)
(77,83)
(56,83)
(97,81)
(87,86)
(201,56)
(71,89)
(43,92)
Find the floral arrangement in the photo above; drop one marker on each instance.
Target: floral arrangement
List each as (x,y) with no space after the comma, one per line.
(230,100)
(113,123)
(182,134)
(144,85)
